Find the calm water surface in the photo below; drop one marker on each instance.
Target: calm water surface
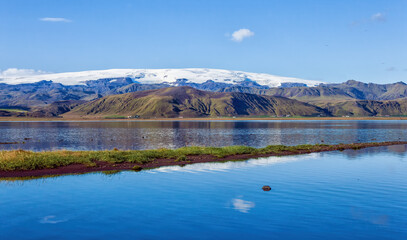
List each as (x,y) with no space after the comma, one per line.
(337,195)
(174,134)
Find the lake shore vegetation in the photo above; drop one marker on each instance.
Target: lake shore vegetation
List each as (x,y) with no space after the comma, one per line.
(15,163)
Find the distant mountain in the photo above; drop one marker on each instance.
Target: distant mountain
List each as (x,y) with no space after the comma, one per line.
(40,94)
(12,113)
(350,90)
(50,97)
(364,108)
(55,109)
(190,102)
(46,92)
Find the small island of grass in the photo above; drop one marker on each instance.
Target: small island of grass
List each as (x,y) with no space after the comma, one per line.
(21,163)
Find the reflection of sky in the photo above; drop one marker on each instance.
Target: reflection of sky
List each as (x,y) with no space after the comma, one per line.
(242,205)
(224,166)
(397,151)
(369,216)
(174,134)
(313,196)
(52,220)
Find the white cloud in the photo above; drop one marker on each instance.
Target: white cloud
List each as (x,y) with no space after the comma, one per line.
(377,17)
(241,34)
(16,72)
(52,19)
(242,205)
(380,17)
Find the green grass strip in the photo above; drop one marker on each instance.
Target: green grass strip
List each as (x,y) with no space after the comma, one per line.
(17,160)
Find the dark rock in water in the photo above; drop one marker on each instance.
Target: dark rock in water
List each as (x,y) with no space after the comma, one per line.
(266,188)
(9,142)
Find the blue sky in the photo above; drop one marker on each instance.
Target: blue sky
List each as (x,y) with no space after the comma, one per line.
(331,41)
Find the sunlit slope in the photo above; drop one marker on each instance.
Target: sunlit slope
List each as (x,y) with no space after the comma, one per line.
(190,102)
(350,90)
(364,108)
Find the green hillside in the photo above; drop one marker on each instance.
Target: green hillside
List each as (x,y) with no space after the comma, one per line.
(349,90)
(190,102)
(364,108)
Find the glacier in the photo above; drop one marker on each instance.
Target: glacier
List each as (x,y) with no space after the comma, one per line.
(155,76)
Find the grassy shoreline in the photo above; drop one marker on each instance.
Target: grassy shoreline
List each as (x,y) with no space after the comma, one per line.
(19,163)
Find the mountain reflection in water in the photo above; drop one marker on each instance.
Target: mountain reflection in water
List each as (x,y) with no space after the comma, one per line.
(39,136)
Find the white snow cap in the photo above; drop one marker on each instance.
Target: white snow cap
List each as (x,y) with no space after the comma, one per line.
(149,76)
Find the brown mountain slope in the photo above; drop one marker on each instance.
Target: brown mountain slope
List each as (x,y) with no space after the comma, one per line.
(54,109)
(364,108)
(190,102)
(350,90)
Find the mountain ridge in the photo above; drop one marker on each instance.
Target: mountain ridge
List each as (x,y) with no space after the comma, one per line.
(353,98)
(349,90)
(189,102)
(41,93)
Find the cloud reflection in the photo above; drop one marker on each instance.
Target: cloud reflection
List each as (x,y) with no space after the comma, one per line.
(225,166)
(369,216)
(51,220)
(242,205)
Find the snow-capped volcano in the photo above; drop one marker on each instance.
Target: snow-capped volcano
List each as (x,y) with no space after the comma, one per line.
(151,76)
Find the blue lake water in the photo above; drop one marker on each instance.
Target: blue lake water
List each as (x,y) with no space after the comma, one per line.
(40,136)
(335,195)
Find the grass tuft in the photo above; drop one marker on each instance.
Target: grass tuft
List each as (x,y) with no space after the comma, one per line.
(181,158)
(137,168)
